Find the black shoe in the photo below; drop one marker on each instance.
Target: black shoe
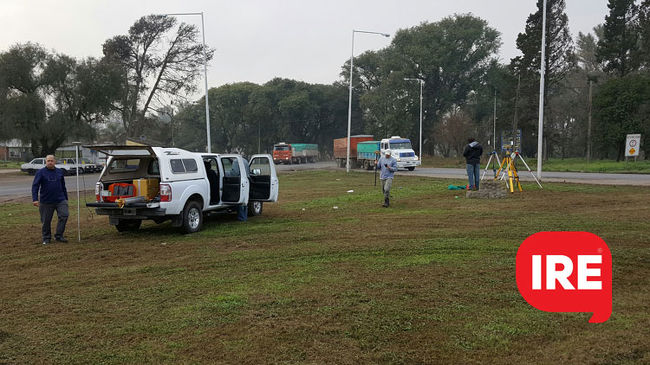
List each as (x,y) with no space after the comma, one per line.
(62,240)
(46,242)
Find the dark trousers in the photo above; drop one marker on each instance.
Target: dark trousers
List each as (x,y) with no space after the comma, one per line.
(47,212)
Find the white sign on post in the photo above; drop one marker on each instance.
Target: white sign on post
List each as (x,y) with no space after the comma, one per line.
(632,144)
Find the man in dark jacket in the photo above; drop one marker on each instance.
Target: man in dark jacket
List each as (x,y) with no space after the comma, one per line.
(53,196)
(472,153)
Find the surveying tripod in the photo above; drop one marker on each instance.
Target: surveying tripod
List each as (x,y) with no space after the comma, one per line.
(494,165)
(511,169)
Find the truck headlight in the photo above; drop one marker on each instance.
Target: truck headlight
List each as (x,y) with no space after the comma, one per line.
(415,158)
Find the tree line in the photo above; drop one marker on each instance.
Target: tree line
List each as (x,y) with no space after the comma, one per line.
(141,85)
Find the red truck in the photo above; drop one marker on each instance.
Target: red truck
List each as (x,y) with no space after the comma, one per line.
(341,149)
(290,153)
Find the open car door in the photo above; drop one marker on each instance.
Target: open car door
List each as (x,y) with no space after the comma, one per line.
(263,178)
(234,181)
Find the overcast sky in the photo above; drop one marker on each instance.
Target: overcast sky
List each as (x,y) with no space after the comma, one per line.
(257,40)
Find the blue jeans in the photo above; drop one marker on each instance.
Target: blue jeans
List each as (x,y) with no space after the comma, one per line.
(473,175)
(242,213)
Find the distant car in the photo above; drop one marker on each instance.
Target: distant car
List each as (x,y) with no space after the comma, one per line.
(70,166)
(89,166)
(32,166)
(67,165)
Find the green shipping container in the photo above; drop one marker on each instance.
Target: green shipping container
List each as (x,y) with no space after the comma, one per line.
(299,147)
(366,150)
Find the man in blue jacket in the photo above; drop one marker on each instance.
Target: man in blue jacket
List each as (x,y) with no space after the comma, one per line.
(388,167)
(53,196)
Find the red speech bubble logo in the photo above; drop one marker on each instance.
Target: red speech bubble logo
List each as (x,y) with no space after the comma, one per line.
(566,272)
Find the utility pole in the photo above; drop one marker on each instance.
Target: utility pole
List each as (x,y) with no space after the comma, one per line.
(591,81)
(542,73)
(514,119)
(494,124)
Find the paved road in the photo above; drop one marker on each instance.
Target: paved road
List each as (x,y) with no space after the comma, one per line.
(548,176)
(16,184)
(20,185)
(524,175)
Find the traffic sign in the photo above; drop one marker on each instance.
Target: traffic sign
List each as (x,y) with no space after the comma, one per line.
(632,143)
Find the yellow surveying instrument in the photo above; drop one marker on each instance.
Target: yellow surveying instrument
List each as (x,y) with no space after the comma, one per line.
(508,167)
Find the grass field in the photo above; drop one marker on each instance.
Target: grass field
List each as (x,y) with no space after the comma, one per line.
(556,164)
(10,165)
(429,280)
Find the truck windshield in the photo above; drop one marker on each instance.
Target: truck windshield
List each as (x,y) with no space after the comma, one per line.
(281,148)
(401,146)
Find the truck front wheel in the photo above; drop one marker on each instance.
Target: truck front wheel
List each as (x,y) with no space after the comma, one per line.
(411,168)
(254,208)
(128,225)
(192,217)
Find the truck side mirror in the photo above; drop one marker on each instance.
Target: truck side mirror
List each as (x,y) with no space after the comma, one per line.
(257,172)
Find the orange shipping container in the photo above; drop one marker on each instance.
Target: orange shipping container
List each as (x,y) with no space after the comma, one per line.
(341,145)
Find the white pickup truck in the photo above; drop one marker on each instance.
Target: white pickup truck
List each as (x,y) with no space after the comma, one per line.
(142,182)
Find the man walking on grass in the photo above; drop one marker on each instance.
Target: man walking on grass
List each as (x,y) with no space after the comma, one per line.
(53,197)
(388,167)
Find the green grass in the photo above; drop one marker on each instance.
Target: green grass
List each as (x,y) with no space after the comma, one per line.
(430,279)
(10,164)
(556,164)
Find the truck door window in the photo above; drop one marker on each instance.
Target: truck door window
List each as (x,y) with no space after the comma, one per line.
(262,164)
(230,167)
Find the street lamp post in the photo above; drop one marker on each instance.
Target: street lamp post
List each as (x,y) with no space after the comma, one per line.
(421,87)
(205,74)
(347,161)
(592,77)
(542,71)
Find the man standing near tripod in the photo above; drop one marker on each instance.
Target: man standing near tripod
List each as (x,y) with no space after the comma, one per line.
(388,166)
(472,153)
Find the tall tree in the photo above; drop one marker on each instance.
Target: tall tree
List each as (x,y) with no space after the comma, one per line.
(644,34)
(248,118)
(159,61)
(559,45)
(622,106)
(451,56)
(559,59)
(48,98)
(587,45)
(618,48)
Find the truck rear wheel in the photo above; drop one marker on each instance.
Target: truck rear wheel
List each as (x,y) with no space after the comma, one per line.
(254,208)
(411,168)
(192,217)
(128,225)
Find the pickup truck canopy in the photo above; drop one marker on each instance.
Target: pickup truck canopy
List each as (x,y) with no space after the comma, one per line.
(123,151)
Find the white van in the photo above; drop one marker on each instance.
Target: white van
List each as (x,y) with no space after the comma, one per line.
(143,182)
